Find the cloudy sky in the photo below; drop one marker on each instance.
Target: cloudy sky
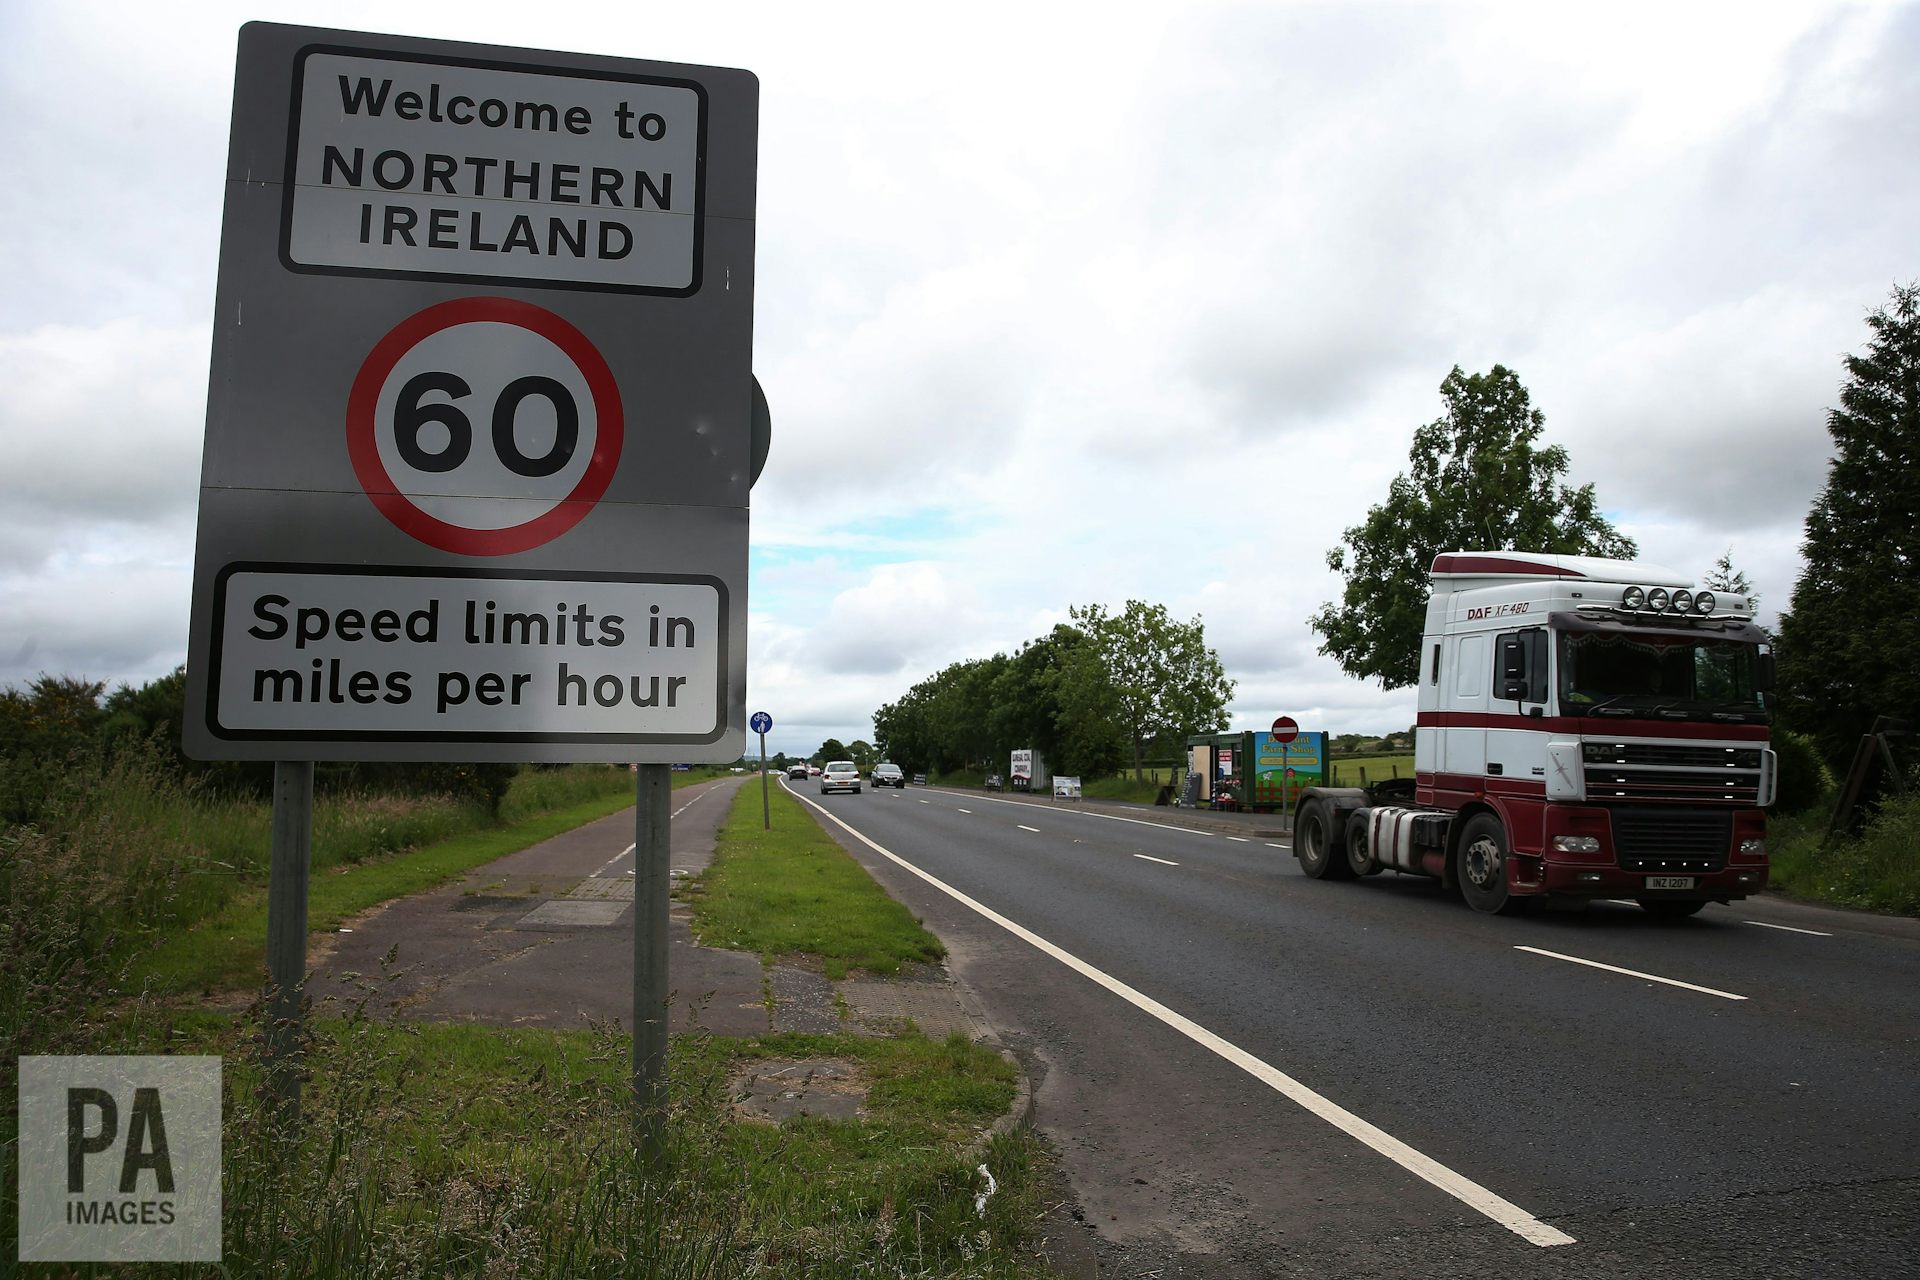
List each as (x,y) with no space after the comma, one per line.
(1091,302)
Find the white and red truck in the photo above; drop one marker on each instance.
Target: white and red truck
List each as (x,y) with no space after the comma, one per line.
(1587,728)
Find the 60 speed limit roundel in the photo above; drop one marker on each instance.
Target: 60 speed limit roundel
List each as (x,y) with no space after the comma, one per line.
(484,426)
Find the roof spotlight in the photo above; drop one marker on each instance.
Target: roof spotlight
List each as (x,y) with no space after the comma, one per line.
(1657,599)
(1633,597)
(1703,602)
(1683,601)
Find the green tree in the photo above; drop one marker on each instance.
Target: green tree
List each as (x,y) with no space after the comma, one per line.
(1724,579)
(1477,480)
(1848,640)
(833,749)
(1147,674)
(860,751)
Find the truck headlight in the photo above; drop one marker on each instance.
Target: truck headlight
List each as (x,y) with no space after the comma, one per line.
(1683,601)
(1633,597)
(1753,847)
(1576,844)
(1703,602)
(1657,599)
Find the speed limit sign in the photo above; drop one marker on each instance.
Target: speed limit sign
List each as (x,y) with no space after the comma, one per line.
(484,426)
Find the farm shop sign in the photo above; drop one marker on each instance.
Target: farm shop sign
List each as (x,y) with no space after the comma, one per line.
(473,170)
(318,651)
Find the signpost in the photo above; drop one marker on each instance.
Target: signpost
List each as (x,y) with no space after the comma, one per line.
(760,724)
(481,426)
(1285,730)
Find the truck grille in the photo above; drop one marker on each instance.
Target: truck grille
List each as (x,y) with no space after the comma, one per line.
(1661,839)
(1671,771)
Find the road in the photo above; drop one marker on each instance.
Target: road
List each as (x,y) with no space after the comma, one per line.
(1250,1073)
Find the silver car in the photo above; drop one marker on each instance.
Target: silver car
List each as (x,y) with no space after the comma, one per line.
(840,775)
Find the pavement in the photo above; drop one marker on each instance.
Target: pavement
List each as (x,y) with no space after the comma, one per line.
(544,938)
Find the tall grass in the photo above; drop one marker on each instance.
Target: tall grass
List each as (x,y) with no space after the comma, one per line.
(1878,870)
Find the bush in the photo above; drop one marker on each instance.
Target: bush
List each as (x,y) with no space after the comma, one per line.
(1804,776)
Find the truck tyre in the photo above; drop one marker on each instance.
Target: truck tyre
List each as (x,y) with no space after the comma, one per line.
(1481,866)
(1360,859)
(1669,909)
(1313,844)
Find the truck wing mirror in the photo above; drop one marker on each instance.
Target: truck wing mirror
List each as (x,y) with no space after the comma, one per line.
(1764,676)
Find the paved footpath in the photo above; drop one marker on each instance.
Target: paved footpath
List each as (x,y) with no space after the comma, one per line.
(544,937)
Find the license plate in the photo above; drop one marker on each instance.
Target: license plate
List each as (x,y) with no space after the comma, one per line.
(1669,882)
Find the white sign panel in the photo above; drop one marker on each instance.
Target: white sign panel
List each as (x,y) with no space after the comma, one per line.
(473,170)
(304,652)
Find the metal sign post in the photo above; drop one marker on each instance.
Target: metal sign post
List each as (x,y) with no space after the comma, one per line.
(289,866)
(760,723)
(1285,730)
(652,891)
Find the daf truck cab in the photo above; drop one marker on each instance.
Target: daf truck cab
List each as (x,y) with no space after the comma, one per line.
(1587,728)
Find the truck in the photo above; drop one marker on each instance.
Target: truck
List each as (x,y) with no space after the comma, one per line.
(1586,728)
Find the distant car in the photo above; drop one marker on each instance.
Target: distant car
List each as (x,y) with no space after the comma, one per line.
(994,782)
(798,772)
(813,771)
(840,775)
(889,775)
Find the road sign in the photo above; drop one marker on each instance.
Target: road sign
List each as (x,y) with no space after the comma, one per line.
(481,418)
(761,722)
(1285,729)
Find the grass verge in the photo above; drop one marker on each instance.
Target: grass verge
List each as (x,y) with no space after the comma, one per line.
(1877,871)
(791,891)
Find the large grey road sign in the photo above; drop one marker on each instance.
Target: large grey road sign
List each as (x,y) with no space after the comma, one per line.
(478,423)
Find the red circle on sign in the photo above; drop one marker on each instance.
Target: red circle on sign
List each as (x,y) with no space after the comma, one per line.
(1285,730)
(363,403)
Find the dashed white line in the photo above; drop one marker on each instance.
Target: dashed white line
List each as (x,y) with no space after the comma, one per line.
(1790,929)
(1461,1188)
(1110,817)
(1240,839)
(1272,845)
(1632,973)
(1024,827)
(963,810)
(1150,858)
(926,802)
(630,848)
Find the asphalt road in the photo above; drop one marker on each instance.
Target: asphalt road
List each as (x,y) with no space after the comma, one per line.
(1251,1073)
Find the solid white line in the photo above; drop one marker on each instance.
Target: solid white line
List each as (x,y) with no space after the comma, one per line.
(1024,827)
(1162,861)
(1461,1188)
(1790,929)
(1632,973)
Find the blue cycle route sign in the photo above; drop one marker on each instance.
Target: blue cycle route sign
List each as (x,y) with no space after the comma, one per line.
(761,722)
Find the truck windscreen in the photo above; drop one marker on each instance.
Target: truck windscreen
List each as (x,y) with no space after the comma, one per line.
(1617,673)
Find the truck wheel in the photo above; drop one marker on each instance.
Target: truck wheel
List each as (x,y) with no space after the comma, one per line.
(1668,909)
(1313,845)
(1483,867)
(1360,859)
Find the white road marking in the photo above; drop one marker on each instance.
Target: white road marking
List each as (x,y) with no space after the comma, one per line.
(1272,845)
(958,807)
(1162,861)
(1240,839)
(1461,1188)
(926,802)
(1110,817)
(630,848)
(1790,929)
(1632,973)
(1024,827)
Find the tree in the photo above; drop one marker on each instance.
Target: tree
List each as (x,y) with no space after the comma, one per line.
(1154,677)
(833,749)
(1848,639)
(1477,481)
(860,752)
(1724,579)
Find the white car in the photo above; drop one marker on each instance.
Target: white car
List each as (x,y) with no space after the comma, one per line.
(840,775)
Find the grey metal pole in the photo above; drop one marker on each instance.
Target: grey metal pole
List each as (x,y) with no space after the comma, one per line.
(289,867)
(652,887)
(766,810)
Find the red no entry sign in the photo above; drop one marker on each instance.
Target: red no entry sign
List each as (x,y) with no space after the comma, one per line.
(1285,730)
(484,426)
